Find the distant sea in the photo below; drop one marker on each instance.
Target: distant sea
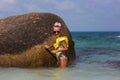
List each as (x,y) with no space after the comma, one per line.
(97,58)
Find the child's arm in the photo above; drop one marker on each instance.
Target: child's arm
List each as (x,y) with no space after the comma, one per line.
(65,48)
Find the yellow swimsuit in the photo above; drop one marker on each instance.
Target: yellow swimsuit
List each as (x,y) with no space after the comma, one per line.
(58,45)
(60,39)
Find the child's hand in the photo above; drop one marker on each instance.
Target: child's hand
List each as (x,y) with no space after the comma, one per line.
(46,46)
(54,51)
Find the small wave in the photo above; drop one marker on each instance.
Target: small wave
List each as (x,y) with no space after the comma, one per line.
(117,36)
(83,37)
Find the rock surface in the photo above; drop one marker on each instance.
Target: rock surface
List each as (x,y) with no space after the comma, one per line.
(22,38)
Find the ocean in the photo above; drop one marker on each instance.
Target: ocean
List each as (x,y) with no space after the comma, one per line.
(97,58)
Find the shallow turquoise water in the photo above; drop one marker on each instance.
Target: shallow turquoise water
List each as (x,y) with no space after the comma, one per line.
(98,58)
(79,72)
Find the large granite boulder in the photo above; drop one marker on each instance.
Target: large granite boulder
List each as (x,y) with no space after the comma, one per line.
(22,38)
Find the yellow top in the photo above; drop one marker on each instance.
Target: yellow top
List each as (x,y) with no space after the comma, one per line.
(59,40)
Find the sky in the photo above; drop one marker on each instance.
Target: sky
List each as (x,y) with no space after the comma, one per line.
(79,15)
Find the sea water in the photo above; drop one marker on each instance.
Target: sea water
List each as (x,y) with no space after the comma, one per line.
(97,58)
